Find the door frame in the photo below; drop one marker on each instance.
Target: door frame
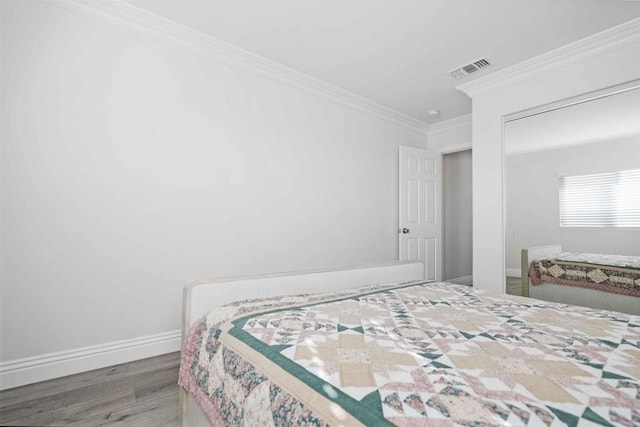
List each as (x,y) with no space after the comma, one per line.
(444,151)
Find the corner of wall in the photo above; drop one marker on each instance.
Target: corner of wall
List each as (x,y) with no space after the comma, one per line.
(450,135)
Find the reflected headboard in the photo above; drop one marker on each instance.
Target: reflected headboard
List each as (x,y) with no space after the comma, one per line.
(528,255)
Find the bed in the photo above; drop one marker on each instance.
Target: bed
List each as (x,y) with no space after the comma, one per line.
(379,345)
(592,280)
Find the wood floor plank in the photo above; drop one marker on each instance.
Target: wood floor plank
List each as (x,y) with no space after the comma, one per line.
(161,412)
(514,286)
(109,396)
(65,415)
(159,384)
(65,398)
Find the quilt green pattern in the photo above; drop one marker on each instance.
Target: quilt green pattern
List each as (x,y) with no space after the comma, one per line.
(415,354)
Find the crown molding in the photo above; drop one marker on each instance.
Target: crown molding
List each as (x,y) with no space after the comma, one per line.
(124,14)
(594,45)
(450,125)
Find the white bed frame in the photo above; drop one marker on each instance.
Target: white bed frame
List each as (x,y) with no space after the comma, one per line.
(568,294)
(203,296)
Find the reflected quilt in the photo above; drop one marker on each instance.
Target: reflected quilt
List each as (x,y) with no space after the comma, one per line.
(616,274)
(414,354)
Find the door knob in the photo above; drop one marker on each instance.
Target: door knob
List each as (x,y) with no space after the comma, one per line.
(403,230)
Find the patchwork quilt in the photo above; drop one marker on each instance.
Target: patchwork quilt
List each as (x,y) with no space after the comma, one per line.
(610,273)
(414,354)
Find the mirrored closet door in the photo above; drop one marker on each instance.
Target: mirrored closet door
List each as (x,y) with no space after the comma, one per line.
(545,148)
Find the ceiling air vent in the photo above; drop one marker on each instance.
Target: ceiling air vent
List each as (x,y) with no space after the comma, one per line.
(465,70)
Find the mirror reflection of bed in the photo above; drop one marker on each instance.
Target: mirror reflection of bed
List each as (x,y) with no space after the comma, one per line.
(593,137)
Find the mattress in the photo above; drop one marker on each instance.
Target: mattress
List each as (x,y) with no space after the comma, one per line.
(609,273)
(417,353)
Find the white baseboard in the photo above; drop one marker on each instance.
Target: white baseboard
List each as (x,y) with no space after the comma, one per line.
(28,370)
(464,280)
(514,272)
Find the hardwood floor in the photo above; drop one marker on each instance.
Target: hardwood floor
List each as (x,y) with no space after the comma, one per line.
(514,286)
(140,393)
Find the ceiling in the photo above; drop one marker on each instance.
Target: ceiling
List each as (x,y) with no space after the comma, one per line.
(397,52)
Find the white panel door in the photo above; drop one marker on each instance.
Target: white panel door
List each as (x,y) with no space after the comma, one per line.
(420,219)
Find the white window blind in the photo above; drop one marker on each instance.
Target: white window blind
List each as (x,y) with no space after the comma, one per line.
(601,200)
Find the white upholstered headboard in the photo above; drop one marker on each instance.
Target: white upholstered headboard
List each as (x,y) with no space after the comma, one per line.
(202,296)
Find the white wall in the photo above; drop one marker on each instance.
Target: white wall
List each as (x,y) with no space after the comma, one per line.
(559,75)
(533,204)
(131,166)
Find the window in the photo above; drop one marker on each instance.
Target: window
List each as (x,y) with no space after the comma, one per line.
(601,200)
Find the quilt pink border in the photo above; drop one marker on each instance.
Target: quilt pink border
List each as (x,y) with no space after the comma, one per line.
(188,383)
